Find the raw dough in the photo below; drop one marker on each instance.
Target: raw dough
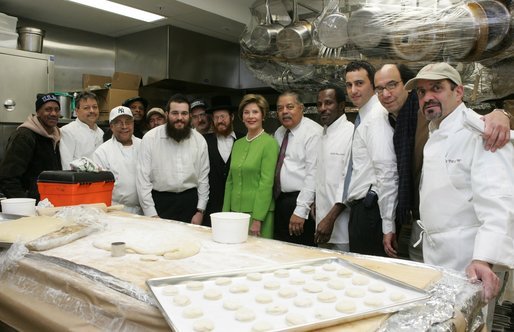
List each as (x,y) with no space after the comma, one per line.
(149,258)
(263,298)
(262,326)
(377,288)
(297,280)
(281,273)
(336,284)
(276,309)
(151,242)
(245,315)
(302,302)
(329,267)
(345,273)
(192,312)
(232,304)
(194,285)
(287,292)
(27,229)
(360,280)
(181,300)
(203,325)
(346,307)
(238,288)
(312,288)
(255,276)
(307,269)
(373,301)
(355,292)
(321,277)
(223,281)
(170,290)
(294,318)
(397,296)
(327,297)
(212,294)
(271,284)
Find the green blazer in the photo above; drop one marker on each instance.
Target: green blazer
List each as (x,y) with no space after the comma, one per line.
(249,186)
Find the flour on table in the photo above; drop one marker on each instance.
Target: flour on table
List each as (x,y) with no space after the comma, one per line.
(151,242)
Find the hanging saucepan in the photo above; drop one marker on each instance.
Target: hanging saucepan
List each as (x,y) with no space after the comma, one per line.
(414,37)
(295,40)
(264,36)
(499,36)
(333,29)
(367,28)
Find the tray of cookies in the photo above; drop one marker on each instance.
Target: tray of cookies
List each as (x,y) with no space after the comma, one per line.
(299,296)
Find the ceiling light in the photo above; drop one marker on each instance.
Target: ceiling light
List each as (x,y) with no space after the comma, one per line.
(119,9)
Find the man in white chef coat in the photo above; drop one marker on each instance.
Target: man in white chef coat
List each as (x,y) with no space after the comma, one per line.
(295,183)
(81,137)
(173,169)
(119,155)
(467,193)
(334,151)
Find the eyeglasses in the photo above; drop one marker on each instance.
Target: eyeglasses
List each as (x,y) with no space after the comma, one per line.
(389,86)
(289,107)
(221,117)
(199,115)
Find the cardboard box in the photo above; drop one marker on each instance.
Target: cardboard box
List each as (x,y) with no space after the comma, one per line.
(64,188)
(122,87)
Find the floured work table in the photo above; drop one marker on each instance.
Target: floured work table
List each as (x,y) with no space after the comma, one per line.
(80,287)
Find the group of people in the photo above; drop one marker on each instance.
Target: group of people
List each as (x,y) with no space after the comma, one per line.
(332,183)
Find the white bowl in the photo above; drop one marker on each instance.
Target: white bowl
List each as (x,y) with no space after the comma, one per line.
(19,206)
(230,227)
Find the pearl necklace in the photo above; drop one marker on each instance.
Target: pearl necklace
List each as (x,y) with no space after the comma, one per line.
(251,139)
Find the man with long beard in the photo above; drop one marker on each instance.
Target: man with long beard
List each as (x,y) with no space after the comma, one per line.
(172,176)
(219,146)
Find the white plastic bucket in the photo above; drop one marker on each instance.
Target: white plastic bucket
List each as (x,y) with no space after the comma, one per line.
(230,227)
(19,206)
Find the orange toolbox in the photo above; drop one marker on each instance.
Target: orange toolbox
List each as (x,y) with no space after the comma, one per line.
(64,188)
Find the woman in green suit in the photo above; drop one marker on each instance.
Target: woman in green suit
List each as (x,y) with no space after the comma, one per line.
(249,186)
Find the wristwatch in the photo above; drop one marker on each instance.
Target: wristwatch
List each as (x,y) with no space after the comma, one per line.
(507,114)
(200,210)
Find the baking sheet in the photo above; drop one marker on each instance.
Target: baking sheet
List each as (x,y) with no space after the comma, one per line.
(289,277)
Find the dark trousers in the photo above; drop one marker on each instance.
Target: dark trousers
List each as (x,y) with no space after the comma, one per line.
(176,206)
(284,208)
(365,229)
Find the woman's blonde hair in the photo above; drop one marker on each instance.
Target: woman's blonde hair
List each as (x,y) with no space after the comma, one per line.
(259,100)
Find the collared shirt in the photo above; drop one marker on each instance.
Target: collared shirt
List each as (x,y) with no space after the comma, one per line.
(225,144)
(121,161)
(299,168)
(168,165)
(374,161)
(77,141)
(333,158)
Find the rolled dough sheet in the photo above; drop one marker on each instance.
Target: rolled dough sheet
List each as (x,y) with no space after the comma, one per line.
(150,242)
(29,228)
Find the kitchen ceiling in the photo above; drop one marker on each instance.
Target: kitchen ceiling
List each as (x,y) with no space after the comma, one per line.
(223,19)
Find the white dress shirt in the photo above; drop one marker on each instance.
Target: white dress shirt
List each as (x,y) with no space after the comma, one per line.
(121,161)
(225,144)
(78,140)
(168,165)
(374,161)
(299,168)
(334,154)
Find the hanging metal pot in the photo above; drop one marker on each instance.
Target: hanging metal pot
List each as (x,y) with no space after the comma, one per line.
(333,29)
(367,29)
(499,24)
(295,40)
(263,38)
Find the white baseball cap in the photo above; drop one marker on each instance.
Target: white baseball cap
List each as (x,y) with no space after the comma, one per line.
(119,110)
